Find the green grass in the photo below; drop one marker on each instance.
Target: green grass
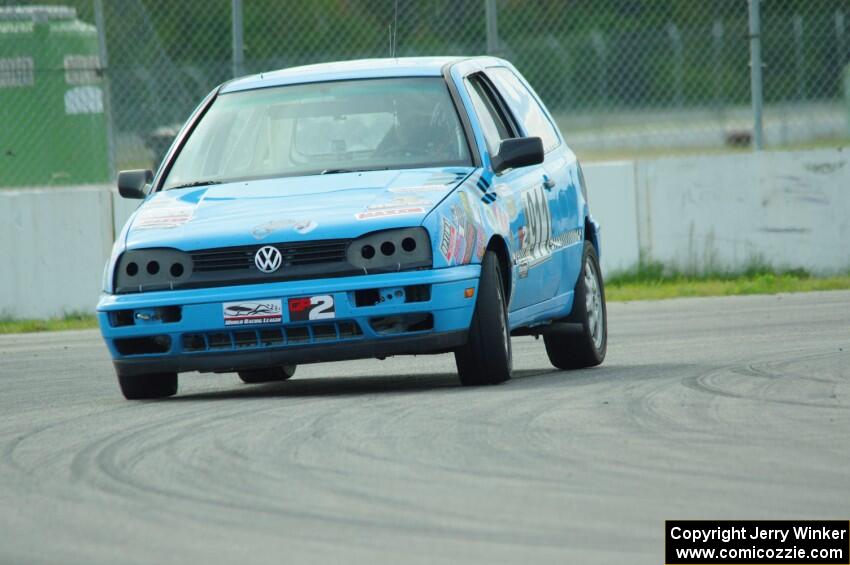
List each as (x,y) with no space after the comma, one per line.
(651,281)
(67,322)
(619,154)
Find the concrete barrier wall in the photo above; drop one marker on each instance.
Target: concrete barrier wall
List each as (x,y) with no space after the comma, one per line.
(611,195)
(789,209)
(53,246)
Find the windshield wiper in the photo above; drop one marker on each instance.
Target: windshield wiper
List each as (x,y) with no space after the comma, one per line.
(337,171)
(194,184)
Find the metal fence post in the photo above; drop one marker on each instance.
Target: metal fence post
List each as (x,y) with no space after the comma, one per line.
(100,23)
(238,45)
(756,74)
(717,50)
(679,63)
(492,27)
(799,59)
(599,44)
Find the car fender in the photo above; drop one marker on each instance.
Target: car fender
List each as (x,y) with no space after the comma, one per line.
(464,223)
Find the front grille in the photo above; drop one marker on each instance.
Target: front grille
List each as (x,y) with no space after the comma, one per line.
(271,337)
(222,260)
(294,255)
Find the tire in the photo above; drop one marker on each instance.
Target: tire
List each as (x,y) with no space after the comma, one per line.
(142,387)
(270,374)
(586,348)
(486,357)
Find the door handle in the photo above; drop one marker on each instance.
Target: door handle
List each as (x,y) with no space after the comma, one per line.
(548,183)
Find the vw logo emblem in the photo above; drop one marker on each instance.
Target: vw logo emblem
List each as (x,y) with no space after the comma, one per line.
(268,259)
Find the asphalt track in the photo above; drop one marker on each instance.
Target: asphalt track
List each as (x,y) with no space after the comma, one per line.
(705,408)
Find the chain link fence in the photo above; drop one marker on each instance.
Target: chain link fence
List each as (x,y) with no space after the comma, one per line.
(91,86)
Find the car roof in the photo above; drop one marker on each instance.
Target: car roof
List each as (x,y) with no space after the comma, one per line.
(342,70)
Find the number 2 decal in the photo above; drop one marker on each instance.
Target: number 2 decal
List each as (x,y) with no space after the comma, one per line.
(323,307)
(312,308)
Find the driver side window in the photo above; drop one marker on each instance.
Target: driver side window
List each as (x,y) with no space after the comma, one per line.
(493,124)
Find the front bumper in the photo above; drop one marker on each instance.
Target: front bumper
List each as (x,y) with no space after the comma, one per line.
(192,335)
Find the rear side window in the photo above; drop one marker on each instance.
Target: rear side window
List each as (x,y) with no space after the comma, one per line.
(524,106)
(494,126)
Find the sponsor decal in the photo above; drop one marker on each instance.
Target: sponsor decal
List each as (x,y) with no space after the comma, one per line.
(305,227)
(464,201)
(481,246)
(399,202)
(471,237)
(457,247)
(487,196)
(502,190)
(448,233)
(424,188)
(444,178)
(497,218)
(476,211)
(459,218)
(371,214)
(508,200)
(522,271)
(247,313)
(163,214)
(263,230)
(307,308)
(566,239)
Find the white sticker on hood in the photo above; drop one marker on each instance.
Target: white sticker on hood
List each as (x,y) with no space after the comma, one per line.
(391,212)
(399,202)
(420,188)
(302,227)
(163,214)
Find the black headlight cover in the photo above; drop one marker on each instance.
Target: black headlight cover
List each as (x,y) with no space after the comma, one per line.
(385,251)
(391,250)
(151,269)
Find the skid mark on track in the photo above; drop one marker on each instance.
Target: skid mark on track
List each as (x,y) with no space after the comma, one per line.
(768,381)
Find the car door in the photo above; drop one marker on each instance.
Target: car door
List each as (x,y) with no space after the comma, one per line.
(533,203)
(559,168)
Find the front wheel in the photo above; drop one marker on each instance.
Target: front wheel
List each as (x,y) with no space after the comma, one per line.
(586,348)
(486,359)
(270,374)
(142,387)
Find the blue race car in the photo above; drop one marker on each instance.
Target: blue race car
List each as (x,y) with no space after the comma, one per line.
(356,210)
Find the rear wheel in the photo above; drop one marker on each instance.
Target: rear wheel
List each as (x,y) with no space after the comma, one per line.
(141,387)
(587,347)
(486,359)
(267,375)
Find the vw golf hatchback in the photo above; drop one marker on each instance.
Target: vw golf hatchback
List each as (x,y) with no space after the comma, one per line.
(356,210)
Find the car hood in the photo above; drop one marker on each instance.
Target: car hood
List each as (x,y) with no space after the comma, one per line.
(343,205)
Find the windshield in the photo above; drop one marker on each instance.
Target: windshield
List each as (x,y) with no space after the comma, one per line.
(329,127)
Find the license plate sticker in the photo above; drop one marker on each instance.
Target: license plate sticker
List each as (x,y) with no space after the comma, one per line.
(252,312)
(306,308)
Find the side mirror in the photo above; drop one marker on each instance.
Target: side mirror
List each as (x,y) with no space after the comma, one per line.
(518,152)
(131,184)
